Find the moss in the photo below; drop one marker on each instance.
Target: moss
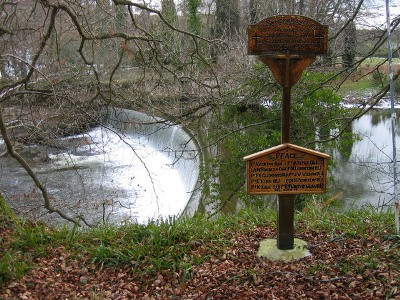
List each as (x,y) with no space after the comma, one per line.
(7,217)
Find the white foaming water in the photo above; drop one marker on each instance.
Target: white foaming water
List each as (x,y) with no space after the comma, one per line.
(136,169)
(149,186)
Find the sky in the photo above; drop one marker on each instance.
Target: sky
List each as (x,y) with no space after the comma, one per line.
(377,12)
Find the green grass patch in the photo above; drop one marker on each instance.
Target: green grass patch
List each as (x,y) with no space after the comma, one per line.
(173,244)
(12,263)
(168,244)
(358,87)
(178,244)
(7,216)
(363,222)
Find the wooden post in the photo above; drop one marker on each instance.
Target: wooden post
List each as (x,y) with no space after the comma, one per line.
(287,44)
(285,239)
(287,70)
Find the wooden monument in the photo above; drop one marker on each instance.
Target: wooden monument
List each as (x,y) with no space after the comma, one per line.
(287,44)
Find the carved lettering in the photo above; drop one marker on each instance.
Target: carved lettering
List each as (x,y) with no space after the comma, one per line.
(286,171)
(287,34)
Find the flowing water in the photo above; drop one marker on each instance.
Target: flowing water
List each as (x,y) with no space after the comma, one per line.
(135,169)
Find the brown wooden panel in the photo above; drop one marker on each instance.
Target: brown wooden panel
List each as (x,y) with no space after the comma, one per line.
(291,34)
(287,170)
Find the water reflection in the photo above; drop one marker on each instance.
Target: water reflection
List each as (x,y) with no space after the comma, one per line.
(363,170)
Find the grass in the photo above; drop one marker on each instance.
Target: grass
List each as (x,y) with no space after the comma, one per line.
(359,87)
(373,61)
(361,222)
(363,84)
(161,245)
(169,244)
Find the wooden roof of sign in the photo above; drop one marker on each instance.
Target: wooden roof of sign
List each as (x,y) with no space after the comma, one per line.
(282,147)
(290,34)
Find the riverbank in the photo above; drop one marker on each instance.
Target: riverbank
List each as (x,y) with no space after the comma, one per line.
(44,123)
(354,255)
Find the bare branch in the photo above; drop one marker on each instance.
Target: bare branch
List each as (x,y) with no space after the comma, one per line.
(14,154)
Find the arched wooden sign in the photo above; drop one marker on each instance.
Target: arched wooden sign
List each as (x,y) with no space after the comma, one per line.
(290,34)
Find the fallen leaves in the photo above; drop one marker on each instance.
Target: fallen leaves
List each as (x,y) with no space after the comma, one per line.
(340,267)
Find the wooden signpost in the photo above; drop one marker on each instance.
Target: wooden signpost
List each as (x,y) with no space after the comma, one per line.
(287,44)
(286,169)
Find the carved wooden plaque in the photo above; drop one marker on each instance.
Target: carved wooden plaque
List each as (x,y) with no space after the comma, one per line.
(286,169)
(290,34)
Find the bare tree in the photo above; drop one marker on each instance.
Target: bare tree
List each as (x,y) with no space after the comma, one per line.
(61,62)
(81,56)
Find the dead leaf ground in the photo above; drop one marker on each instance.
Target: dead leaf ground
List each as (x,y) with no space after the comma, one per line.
(341,267)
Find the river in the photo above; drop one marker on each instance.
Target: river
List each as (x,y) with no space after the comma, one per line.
(364,173)
(134,169)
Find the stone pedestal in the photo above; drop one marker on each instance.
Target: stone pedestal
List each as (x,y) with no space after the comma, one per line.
(268,249)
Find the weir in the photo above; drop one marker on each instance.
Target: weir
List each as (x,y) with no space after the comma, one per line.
(133,168)
(172,140)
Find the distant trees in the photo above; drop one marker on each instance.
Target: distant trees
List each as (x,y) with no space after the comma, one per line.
(350,44)
(227,18)
(254,13)
(193,16)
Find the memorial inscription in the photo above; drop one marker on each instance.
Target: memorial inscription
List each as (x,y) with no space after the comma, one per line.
(286,169)
(287,34)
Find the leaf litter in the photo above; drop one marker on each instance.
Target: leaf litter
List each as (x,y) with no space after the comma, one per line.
(342,266)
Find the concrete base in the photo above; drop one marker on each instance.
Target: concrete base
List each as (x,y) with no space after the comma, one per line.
(269,249)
